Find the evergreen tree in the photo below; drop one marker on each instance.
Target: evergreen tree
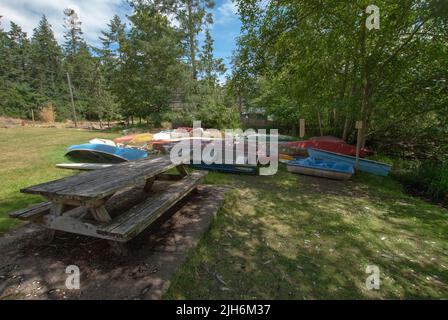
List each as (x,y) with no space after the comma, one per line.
(19,52)
(111,52)
(80,65)
(151,68)
(210,67)
(191,15)
(73,34)
(46,57)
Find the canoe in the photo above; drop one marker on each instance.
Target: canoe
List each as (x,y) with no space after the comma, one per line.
(331,145)
(284,158)
(135,138)
(321,168)
(101,153)
(226,168)
(267,137)
(124,139)
(374,167)
(103,141)
(83,166)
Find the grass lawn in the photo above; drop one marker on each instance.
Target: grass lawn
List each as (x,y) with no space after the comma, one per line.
(296,237)
(280,237)
(28,156)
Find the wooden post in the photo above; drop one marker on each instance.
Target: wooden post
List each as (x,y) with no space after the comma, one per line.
(71,98)
(359,125)
(302,128)
(32,116)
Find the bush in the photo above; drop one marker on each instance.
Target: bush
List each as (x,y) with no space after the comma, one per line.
(430,178)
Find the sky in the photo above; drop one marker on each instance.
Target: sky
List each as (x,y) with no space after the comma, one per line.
(95,14)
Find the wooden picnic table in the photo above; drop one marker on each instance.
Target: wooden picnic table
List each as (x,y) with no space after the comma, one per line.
(76,204)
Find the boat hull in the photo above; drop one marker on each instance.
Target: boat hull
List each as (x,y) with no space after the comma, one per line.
(83,166)
(319,173)
(327,145)
(226,168)
(374,167)
(101,153)
(321,168)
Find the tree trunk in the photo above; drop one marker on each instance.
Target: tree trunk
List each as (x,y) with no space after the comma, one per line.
(320,123)
(192,39)
(346,127)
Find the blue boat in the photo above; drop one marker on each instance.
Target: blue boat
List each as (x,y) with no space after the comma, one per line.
(321,168)
(102,153)
(227,168)
(374,167)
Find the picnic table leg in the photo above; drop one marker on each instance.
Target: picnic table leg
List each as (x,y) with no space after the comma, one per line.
(100,213)
(56,209)
(182,170)
(148,184)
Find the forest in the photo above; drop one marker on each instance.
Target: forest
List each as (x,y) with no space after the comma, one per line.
(318,60)
(295,59)
(143,67)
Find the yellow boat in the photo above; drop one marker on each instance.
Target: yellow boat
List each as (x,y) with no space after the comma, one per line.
(141,138)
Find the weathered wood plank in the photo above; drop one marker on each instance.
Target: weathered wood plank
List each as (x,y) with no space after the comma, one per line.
(56,209)
(148,184)
(182,170)
(31,212)
(104,182)
(100,214)
(142,215)
(73,225)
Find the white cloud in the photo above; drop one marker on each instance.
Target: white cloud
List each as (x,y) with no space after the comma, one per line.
(94,15)
(226,12)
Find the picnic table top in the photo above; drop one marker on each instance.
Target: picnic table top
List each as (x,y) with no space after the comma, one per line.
(99,184)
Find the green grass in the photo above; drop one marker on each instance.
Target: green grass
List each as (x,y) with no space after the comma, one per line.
(280,237)
(294,237)
(28,156)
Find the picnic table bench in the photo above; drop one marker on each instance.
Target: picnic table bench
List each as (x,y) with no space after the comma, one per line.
(76,204)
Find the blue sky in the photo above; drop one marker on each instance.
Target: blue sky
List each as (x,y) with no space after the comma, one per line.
(95,14)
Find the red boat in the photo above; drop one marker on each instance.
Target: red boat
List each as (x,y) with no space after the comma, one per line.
(331,144)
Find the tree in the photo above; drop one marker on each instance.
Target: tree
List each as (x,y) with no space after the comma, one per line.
(151,66)
(46,59)
(210,68)
(73,34)
(191,14)
(319,61)
(111,53)
(80,64)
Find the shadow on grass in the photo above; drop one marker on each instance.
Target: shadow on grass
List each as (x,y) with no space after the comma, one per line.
(295,237)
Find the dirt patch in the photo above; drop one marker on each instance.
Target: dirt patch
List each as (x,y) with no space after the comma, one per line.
(33,269)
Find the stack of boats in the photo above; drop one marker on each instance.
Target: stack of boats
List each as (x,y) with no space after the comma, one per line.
(99,153)
(328,157)
(331,158)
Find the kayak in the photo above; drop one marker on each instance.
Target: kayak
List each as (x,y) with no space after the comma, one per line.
(374,167)
(135,138)
(321,168)
(226,168)
(102,141)
(331,145)
(83,166)
(102,153)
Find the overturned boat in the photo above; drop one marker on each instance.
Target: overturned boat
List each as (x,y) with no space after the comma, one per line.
(102,153)
(370,166)
(321,168)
